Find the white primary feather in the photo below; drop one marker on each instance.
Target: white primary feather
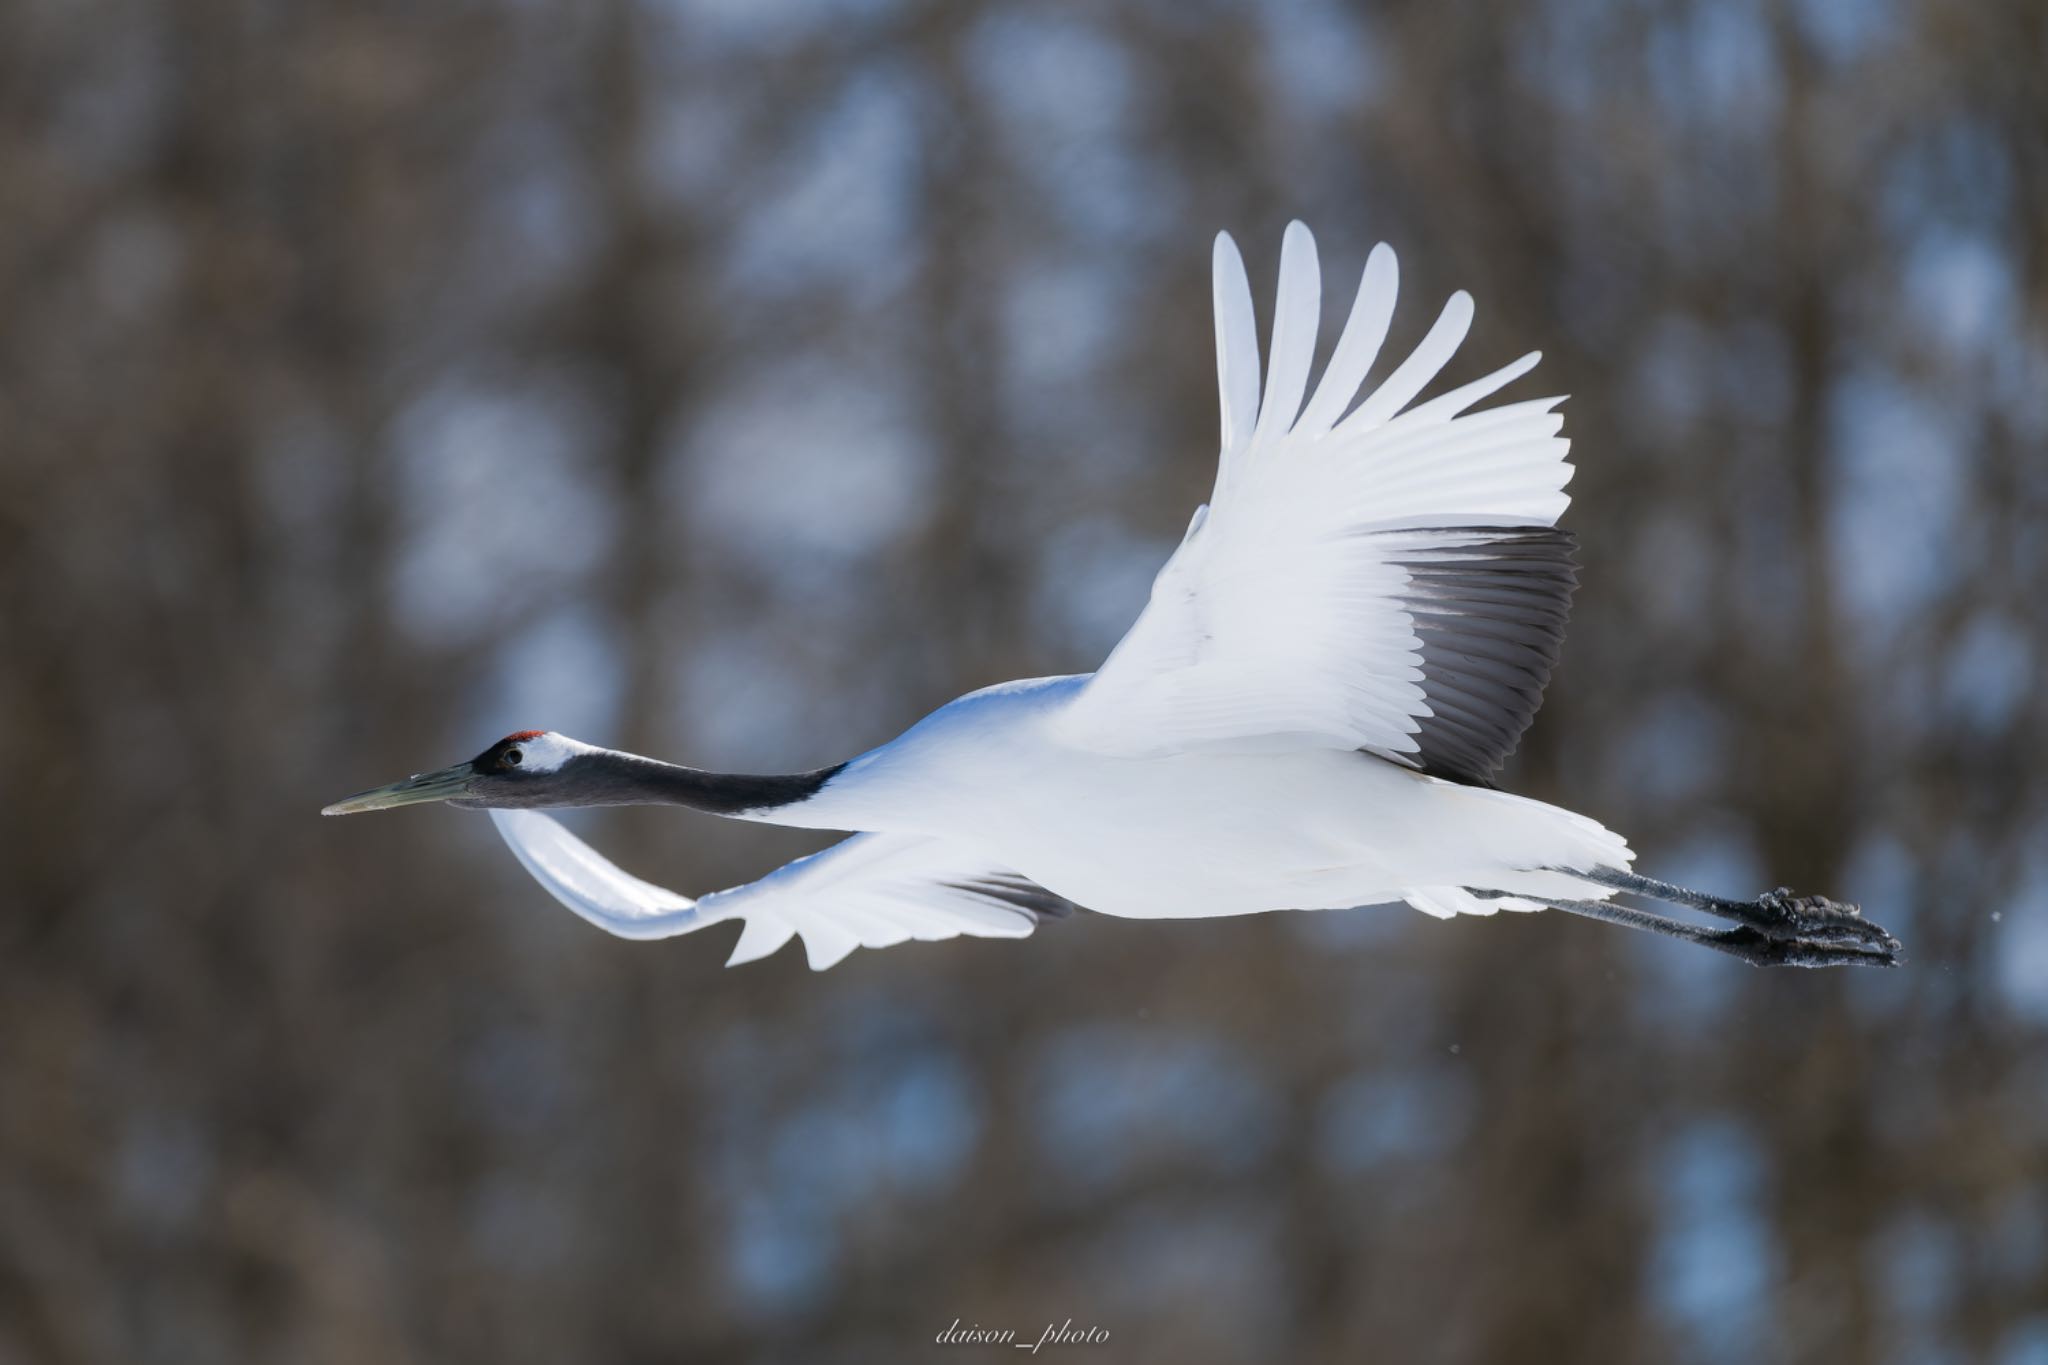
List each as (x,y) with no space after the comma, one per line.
(1237,350)
(872,891)
(1281,619)
(1294,335)
(1358,345)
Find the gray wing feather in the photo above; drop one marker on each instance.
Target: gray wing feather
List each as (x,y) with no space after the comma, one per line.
(1019,893)
(1489,605)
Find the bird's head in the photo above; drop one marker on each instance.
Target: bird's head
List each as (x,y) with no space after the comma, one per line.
(526,769)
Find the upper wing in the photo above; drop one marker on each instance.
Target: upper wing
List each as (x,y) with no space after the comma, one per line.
(1391,580)
(869,891)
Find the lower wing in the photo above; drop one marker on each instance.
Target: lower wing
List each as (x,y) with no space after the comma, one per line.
(869,891)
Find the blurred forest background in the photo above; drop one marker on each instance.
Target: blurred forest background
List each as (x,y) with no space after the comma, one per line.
(735,380)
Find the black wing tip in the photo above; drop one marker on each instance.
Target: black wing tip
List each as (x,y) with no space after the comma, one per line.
(1489,605)
(1018,893)
(1486,541)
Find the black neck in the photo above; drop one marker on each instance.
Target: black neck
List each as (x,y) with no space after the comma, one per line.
(616,779)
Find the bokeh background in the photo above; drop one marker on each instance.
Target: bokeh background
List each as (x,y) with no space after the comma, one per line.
(735,380)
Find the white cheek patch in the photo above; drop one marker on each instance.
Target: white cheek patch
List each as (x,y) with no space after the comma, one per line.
(548,751)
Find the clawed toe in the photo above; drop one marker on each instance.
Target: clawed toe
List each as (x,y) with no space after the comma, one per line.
(1818,920)
(1786,901)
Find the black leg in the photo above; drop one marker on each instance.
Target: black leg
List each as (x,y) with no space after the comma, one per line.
(1775,914)
(1751,944)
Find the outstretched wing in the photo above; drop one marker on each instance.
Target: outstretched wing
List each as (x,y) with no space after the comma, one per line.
(1388,580)
(869,891)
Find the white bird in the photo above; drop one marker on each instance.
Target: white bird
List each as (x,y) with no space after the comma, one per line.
(1352,636)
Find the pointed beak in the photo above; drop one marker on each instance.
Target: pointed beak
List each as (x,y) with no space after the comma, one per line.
(444,785)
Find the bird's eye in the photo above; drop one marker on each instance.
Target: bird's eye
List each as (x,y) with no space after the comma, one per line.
(513,758)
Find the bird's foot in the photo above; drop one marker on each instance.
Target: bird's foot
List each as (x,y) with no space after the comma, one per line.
(1759,949)
(1816,920)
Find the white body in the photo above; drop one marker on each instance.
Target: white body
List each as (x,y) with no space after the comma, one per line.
(1374,593)
(1210,831)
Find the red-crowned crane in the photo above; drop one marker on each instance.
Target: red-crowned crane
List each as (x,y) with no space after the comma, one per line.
(1352,636)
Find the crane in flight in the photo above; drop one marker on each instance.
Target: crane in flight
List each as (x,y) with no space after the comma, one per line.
(1308,714)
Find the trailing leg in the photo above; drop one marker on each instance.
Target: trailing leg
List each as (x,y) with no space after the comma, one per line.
(1750,944)
(1775,914)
